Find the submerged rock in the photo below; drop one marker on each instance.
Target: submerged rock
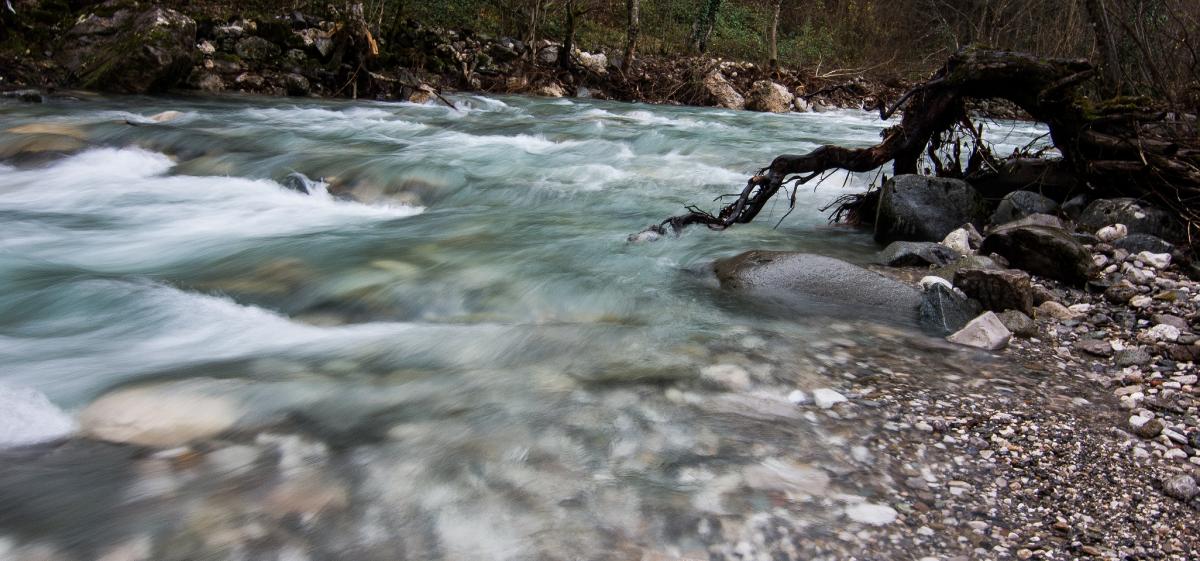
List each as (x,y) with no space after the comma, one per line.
(164,415)
(816,280)
(919,208)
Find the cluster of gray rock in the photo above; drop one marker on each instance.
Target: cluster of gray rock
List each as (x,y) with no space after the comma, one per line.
(763,95)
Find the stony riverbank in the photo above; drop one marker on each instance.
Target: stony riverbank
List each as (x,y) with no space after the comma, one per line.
(295,54)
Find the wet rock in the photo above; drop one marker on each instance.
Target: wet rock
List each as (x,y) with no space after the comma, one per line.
(917,254)
(1184,353)
(767,96)
(722,92)
(1095,347)
(1047,252)
(997,289)
(780,475)
(1020,324)
(128,52)
(944,311)
(164,415)
(1138,217)
(984,332)
(726,376)
(919,208)
(1019,204)
(1137,243)
(815,280)
(1182,487)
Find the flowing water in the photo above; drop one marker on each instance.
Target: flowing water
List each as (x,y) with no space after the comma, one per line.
(445,350)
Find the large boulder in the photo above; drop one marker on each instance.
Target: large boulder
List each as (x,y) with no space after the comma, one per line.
(997,289)
(1019,204)
(1138,217)
(767,96)
(257,49)
(818,283)
(722,92)
(919,208)
(130,51)
(1043,251)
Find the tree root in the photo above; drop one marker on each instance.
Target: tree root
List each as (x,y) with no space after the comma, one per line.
(1123,149)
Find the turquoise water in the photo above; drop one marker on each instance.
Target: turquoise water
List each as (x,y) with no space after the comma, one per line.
(450,331)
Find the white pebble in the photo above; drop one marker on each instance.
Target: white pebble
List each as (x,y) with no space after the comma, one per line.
(826,398)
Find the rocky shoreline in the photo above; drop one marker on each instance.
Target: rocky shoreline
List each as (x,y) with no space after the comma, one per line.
(295,54)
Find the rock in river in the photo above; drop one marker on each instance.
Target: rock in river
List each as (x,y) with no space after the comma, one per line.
(162,415)
(815,281)
(984,332)
(944,310)
(919,208)
(997,289)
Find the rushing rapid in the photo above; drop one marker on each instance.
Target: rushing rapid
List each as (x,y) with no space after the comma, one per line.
(416,331)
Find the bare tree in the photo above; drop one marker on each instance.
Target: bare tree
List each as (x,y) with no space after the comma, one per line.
(633,9)
(772,44)
(706,20)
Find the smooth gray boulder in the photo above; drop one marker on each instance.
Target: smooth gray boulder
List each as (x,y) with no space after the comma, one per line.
(919,208)
(129,51)
(818,283)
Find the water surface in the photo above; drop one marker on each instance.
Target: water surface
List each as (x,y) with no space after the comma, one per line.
(446,350)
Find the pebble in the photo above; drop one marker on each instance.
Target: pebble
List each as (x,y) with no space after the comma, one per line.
(1182,487)
(1162,332)
(826,398)
(1159,261)
(1147,428)
(874,514)
(798,397)
(1140,301)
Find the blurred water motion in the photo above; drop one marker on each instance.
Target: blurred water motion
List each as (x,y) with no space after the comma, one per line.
(392,331)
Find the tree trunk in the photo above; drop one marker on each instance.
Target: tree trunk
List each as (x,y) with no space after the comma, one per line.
(702,29)
(1110,66)
(1115,149)
(632,31)
(772,45)
(568,44)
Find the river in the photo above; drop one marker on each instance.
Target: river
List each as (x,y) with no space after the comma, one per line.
(445,350)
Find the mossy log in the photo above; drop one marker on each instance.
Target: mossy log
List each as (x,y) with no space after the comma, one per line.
(1119,148)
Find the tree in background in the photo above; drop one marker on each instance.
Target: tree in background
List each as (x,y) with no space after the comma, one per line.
(706,20)
(772,35)
(632,30)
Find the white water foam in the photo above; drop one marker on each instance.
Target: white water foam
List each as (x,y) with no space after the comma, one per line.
(152,215)
(27,417)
